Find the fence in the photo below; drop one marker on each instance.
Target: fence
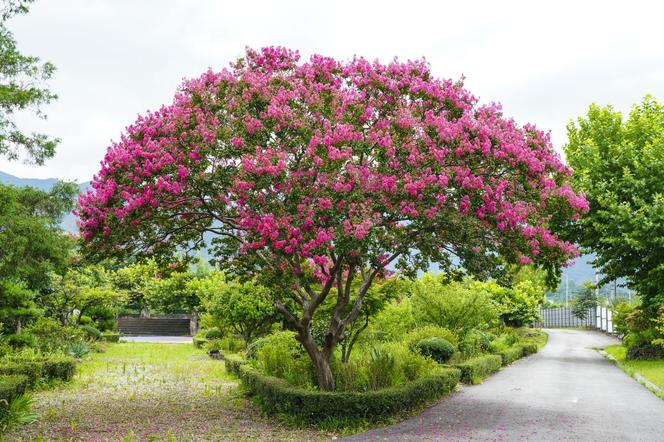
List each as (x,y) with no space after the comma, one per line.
(597,317)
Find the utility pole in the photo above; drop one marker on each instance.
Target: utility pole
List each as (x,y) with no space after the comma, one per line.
(566,289)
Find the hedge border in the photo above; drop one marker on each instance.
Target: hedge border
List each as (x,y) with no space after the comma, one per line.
(475,370)
(110,336)
(58,367)
(511,354)
(277,396)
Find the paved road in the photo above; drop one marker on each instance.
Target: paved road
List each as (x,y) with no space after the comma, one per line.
(565,392)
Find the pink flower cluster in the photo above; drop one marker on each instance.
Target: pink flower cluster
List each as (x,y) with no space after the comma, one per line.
(327,158)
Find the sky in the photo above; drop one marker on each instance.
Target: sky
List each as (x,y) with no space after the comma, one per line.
(544,62)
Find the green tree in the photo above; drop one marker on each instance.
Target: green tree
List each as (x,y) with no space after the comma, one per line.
(585,300)
(247,308)
(135,280)
(22,88)
(31,243)
(17,305)
(619,165)
(79,291)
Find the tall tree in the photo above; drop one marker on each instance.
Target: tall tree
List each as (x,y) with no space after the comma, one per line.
(312,174)
(619,164)
(22,79)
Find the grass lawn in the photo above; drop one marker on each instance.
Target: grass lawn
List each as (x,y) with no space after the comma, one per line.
(652,370)
(155,392)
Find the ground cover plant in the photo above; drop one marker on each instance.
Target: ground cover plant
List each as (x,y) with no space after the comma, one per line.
(652,369)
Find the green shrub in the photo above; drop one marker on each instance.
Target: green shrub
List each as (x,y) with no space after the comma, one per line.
(457,306)
(78,349)
(283,357)
(429,331)
(511,354)
(503,342)
(53,337)
(39,368)
(17,412)
(110,336)
(11,387)
(232,344)
(22,340)
(277,396)
(394,321)
(199,342)
(438,349)
(476,342)
(214,333)
(383,369)
(475,370)
(529,349)
(233,363)
(85,320)
(91,332)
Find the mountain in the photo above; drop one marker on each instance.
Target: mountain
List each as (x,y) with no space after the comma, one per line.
(578,272)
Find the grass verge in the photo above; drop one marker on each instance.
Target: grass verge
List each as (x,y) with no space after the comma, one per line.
(650,373)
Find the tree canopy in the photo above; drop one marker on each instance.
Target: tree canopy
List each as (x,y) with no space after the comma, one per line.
(619,164)
(22,88)
(311,174)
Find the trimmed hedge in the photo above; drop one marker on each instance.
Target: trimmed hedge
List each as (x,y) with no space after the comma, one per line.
(233,364)
(199,342)
(529,349)
(438,349)
(475,370)
(11,387)
(277,396)
(53,367)
(109,336)
(511,354)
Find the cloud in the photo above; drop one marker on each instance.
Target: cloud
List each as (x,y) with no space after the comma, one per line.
(544,62)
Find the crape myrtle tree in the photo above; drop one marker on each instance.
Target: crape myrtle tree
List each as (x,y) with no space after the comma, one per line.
(316,174)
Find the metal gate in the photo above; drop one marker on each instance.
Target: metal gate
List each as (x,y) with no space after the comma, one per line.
(597,317)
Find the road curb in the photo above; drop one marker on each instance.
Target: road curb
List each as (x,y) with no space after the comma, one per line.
(634,374)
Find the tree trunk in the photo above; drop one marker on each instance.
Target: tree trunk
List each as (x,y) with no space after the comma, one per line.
(321,360)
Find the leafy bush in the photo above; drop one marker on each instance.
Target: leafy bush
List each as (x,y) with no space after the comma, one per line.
(395,320)
(455,306)
(503,342)
(39,367)
(429,331)
(529,349)
(475,370)
(384,365)
(233,363)
(199,341)
(22,340)
(53,336)
(17,412)
(11,387)
(283,357)
(232,344)
(78,349)
(214,333)
(438,349)
(476,342)
(277,396)
(91,332)
(110,336)
(511,354)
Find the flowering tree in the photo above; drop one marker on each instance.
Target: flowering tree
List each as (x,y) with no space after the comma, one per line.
(319,173)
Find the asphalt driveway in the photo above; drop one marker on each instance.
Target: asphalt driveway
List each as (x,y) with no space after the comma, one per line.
(567,391)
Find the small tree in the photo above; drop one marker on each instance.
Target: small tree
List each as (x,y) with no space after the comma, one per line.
(247,308)
(17,305)
(585,300)
(311,175)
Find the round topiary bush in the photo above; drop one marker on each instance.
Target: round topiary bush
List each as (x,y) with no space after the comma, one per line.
(214,333)
(438,349)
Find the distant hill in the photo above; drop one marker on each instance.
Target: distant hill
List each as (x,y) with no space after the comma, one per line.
(579,272)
